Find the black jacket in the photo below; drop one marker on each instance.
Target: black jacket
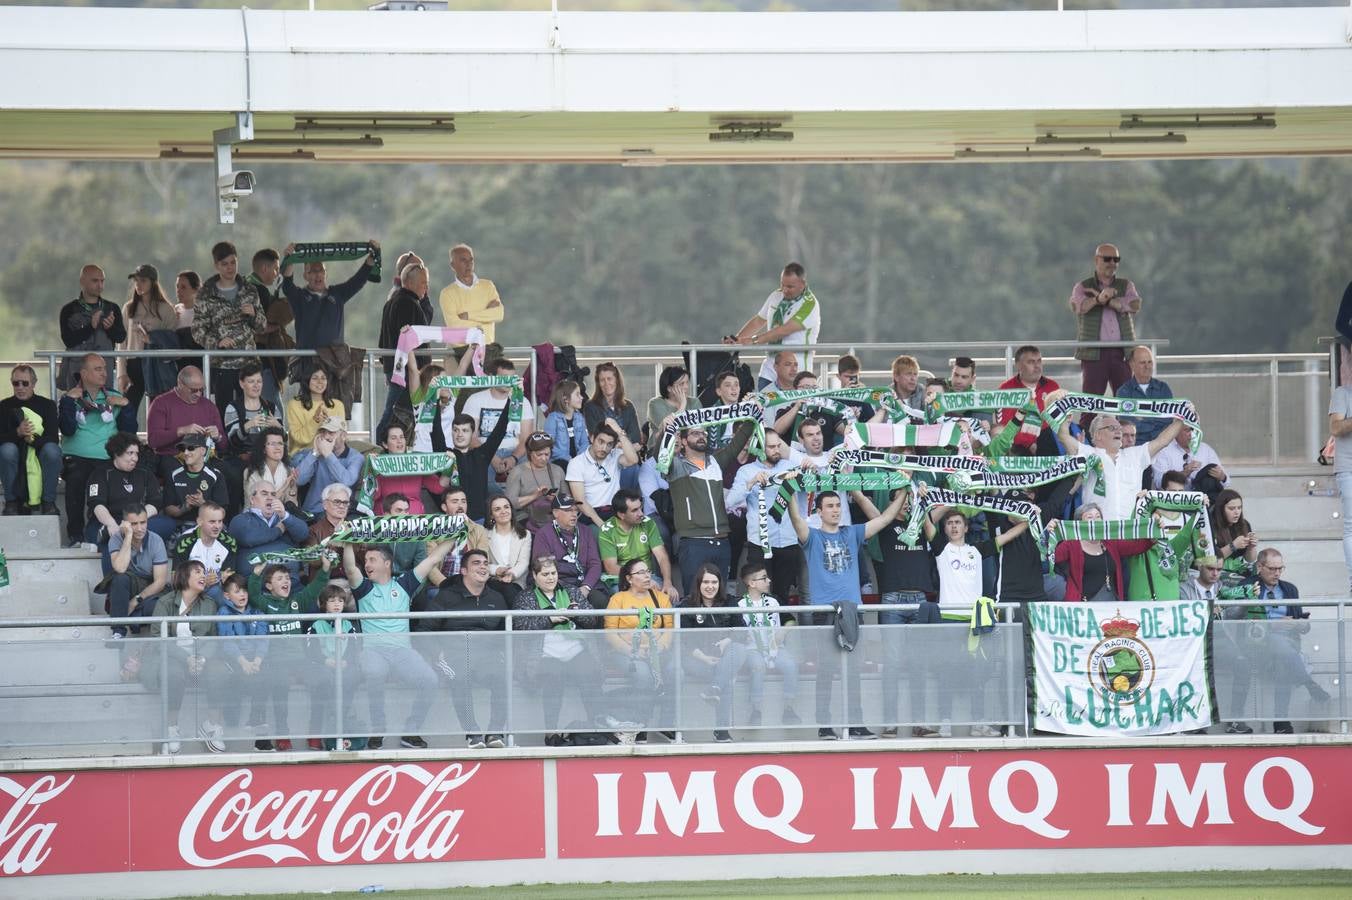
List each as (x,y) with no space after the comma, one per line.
(11,417)
(455,597)
(75,328)
(402,308)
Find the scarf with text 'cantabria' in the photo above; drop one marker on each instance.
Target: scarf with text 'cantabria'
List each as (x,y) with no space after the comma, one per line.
(336,252)
(393,464)
(742,411)
(375,530)
(791,482)
(1176,408)
(415,336)
(968,504)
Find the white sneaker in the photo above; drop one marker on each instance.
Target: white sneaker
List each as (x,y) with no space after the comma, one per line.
(945,729)
(212,734)
(174,744)
(985,731)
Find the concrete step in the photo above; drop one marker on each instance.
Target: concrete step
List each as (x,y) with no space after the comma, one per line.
(30,534)
(57,595)
(1294,513)
(78,664)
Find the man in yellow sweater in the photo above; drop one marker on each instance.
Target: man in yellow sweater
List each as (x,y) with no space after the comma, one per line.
(470,301)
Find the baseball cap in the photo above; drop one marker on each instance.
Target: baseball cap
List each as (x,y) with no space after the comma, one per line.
(146,270)
(334,424)
(189,441)
(564,501)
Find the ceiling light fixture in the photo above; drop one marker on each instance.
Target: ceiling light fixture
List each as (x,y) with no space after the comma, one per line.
(1027,153)
(1170,138)
(1201,120)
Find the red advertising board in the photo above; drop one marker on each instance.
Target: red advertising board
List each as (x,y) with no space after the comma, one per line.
(297,815)
(1035,799)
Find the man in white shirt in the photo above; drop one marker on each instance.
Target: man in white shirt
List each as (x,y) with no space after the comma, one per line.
(1202,469)
(485,407)
(593,475)
(789,315)
(1122,467)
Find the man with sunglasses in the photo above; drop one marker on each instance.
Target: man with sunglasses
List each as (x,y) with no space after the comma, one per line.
(183,411)
(28,425)
(1105,308)
(593,475)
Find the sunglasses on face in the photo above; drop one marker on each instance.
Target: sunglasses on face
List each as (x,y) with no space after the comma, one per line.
(1111,259)
(21,383)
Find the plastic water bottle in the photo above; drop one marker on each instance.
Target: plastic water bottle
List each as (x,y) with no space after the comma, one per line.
(372,889)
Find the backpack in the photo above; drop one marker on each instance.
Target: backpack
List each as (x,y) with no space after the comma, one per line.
(713,363)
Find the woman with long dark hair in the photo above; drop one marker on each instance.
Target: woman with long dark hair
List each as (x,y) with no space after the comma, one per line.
(270,462)
(1236,543)
(313,405)
(608,402)
(147,310)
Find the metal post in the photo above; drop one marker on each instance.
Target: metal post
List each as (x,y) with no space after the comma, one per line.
(694,372)
(1009,361)
(530,388)
(1314,425)
(164,677)
(53,390)
(1342,667)
(676,672)
(511,681)
(340,655)
(1274,397)
(844,687)
(372,417)
(206,373)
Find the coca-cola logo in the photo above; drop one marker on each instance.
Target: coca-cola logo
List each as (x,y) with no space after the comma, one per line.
(366,819)
(24,842)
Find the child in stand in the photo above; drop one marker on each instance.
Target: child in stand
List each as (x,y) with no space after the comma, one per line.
(242,651)
(270,594)
(330,653)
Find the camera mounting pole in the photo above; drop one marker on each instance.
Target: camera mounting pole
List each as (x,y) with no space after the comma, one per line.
(225,139)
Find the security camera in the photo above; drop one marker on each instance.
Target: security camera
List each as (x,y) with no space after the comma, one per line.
(236,184)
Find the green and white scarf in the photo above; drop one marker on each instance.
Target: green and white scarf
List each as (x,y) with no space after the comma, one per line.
(1177,408)
(384,465)
(743,411)
(559,601)
(949,403)
(968,503)
(881,434)
(790,483)
(1101,530)
(1064,467)
(906,462)
(457,383)
(760,624)
(336,252)
(1193,504)
(374,530)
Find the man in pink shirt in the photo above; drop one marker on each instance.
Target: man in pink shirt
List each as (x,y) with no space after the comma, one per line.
(1105,307)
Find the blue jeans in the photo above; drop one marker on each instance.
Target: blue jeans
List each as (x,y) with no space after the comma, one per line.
(695,552)
(49,456)
(377,663)
(1344,480)
(739,656)
(895,657)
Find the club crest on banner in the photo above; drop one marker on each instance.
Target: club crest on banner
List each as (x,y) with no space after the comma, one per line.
(1121,665)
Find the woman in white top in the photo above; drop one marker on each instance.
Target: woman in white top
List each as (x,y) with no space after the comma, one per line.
(508,543)
(270,463)
(146,310)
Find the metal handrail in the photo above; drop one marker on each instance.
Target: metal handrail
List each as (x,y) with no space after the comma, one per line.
(675,611)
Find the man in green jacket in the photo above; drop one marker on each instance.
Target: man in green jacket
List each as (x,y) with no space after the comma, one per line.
(696,485)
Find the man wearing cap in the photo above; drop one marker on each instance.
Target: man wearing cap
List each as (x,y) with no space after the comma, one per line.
(575,554)
(147,312)
(183,411)
(28,425)
(89,322)
(470,301)
(329,460)
(532,486)
(189,486)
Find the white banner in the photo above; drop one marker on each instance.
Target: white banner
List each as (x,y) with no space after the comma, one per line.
(1119,668)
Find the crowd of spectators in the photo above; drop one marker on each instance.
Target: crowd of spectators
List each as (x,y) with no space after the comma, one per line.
(567,508)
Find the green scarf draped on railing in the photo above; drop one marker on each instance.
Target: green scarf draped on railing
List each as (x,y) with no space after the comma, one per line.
(336,252)
(742,411)
(391,464)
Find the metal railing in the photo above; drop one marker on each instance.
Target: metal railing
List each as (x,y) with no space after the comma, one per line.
(1283,397)
(57,692)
